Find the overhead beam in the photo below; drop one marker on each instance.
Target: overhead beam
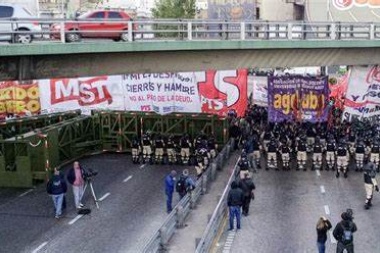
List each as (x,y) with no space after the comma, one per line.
(58,66)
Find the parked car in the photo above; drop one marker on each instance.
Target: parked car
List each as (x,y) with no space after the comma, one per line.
(103,26)
(14,12)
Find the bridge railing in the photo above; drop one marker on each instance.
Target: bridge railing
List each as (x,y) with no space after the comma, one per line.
(64,30)
(176,219)
(215,224)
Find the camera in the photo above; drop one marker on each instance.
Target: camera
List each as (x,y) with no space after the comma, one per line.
(88,174)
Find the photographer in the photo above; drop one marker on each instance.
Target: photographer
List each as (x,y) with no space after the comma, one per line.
(76,177)
(343,233)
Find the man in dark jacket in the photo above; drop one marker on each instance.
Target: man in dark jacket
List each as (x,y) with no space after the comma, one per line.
(169,189)
(235,201)
(234,133)
(343,233)
(247,186)
(57,187)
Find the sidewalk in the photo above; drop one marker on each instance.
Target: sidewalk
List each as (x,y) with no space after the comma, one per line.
(184,239)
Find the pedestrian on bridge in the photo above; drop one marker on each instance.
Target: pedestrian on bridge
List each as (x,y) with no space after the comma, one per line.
(169,189)
(235,201)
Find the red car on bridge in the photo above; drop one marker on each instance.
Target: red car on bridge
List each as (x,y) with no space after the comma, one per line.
(95,24)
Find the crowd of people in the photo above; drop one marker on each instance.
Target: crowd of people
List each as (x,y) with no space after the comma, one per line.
(328,146)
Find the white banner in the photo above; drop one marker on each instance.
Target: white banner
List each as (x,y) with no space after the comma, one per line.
(211,92)
(86,93)
(162,93)
(258,86)
(363,94)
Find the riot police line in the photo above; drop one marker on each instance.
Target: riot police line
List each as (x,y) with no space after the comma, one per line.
(332,146)
(175,149)
(329,146)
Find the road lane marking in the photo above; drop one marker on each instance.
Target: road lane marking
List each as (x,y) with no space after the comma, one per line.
(327,210)
(40,247)
(105,196)
(23,194)
(323,189)
(142,166)
(318,173)
(127,179)
(75,219)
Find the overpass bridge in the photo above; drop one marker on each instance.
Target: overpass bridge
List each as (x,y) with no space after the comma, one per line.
(190,45)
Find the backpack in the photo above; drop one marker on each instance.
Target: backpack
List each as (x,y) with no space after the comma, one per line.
(181,185)
(347,234)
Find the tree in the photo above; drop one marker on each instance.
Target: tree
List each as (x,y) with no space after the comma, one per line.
(174,9)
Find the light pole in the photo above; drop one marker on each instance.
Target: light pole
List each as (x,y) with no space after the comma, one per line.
(328,10)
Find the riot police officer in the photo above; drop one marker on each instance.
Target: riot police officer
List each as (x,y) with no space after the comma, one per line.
(285,155)
(185,145)
(301,154)
(359,155)
(341,162)
(351,142)
(170,149)
(370,183)
(330,154)
(136,149)
(311,134)
(256,152)
(266,136)
(317,154)
(159,149)
(147,148)
(200,156)
(212,147)
(243,165)
(272,155)
(375,150)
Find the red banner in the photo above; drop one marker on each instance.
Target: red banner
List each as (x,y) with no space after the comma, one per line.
(224,90)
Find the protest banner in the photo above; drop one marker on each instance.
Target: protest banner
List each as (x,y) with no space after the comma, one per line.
(162,93)
(297,98)
(363,94)
(221,91)
(85,93)
(213,92)
(19,99)
(258,86)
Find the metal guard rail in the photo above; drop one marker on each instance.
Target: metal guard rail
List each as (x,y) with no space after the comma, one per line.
(213,226)
(176,219)
(57,30)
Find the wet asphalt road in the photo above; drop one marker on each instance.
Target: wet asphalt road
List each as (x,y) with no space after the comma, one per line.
(288,204)
(127,218)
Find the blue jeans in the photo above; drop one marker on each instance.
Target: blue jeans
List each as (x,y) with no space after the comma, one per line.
(234,212)
(169,202)
(321,247)
(58,199)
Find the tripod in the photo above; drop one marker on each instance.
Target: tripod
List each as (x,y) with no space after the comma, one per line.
(89,183)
